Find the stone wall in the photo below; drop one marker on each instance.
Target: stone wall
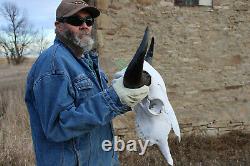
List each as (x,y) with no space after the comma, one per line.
(215,127)
(202,53)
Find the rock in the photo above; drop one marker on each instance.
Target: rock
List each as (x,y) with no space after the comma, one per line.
(103,21)
(100,39)
(240,6)
(115,6)
(145,2)
(165,4)
(102,4)
(216,2)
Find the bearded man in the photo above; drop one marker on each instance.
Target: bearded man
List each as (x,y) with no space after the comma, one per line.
(69,101)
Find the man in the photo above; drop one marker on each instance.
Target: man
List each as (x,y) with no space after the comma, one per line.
(69,101)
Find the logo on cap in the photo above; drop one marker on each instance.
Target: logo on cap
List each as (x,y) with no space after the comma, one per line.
(80,2)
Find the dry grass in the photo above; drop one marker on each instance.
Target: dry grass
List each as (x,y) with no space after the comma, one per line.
(229,149)
(3,60)
(15,136)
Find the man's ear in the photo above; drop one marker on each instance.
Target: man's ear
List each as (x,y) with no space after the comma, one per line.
(58,26)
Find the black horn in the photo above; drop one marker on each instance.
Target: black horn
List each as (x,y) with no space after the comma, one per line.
(134,76)
(150,53)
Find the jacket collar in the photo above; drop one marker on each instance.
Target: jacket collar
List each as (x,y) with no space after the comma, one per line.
(75,49)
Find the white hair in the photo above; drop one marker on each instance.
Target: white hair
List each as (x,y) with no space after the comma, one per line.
(82,39)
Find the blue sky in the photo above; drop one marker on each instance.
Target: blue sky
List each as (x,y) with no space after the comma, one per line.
(41,13)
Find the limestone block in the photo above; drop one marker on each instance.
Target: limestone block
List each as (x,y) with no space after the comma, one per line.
(165,4)
(236,125)
(240,6)
(100,38)
(102,4)
(187,130)
(212,131)
(103,21)
(224,131)
(247,128)
(216,2)
(217,124)
(145,2)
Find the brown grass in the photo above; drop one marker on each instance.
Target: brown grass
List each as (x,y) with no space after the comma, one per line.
(229,149)
(3,60)
(15,136)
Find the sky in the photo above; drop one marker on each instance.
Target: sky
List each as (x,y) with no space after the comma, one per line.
(40,13)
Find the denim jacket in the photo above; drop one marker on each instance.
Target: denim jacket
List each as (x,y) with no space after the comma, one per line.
(70,110)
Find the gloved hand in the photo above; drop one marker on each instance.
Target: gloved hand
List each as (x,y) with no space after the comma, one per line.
(130,97)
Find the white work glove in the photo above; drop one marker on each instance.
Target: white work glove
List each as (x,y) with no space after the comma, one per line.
(130,97)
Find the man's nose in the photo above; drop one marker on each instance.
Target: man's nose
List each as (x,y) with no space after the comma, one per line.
(83,26)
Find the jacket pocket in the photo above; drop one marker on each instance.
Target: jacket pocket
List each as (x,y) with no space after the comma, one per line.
(83,86)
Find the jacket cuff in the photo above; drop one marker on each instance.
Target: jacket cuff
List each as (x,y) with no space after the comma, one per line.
(114,101)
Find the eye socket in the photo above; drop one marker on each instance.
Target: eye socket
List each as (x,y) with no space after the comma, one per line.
(156,107)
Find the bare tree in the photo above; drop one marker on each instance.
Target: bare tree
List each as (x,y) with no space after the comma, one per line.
(42,41)
(17,35)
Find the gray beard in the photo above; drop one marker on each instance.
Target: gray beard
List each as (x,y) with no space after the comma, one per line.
(83,39)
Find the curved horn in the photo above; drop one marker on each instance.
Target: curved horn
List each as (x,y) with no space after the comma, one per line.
(133,74)
(150,53)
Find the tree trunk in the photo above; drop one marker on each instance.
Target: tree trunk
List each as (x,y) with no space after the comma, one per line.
(8,60)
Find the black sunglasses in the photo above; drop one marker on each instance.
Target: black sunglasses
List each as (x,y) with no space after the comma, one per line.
(77,21)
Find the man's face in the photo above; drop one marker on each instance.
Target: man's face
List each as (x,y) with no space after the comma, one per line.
(79,35)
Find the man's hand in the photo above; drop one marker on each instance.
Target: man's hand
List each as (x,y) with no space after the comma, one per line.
(130,97)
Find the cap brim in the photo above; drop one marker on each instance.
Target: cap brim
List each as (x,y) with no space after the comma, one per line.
(94,12)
